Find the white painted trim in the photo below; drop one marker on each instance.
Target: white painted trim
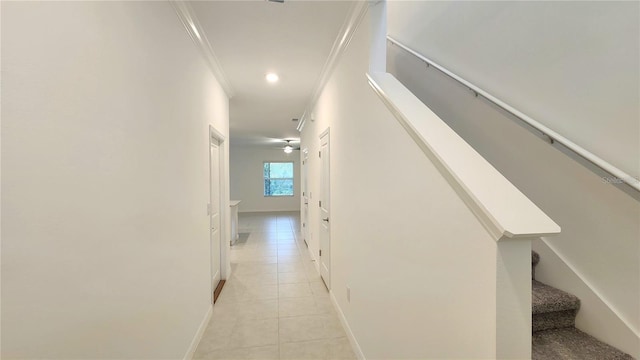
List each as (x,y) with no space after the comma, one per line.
(346,33)
(345,324)
(215,134)
(304,185)
(188,18)
(314,260)
(198,336)
(503,210)
(225,242)
(325,132)
(593,289)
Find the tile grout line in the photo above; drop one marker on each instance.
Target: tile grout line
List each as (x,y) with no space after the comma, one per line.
(284,235)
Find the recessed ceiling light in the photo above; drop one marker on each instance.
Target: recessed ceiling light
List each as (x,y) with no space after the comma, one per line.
(272,77)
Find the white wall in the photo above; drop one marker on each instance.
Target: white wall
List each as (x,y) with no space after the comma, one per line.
(105,245)
(600,233)
(247,181)
(421,268)
(572,65)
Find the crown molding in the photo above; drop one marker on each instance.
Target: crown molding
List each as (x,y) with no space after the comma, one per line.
(348,30)
(196,33)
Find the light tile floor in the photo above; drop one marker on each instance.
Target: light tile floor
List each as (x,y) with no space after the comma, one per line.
(275,306)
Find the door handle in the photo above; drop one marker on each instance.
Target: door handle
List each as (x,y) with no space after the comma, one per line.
(327,219)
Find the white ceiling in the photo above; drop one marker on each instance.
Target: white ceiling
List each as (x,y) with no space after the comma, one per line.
(252,38)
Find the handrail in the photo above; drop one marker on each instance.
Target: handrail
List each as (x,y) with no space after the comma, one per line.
(618,178)
(501,208)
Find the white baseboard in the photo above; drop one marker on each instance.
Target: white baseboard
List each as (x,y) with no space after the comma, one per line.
(196,339)
(313,258)
(347,329)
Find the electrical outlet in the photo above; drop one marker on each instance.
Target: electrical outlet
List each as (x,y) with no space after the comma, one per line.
(348,294)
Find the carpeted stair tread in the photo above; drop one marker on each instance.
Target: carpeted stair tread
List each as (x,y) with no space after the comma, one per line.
(571,343)
(553,316)
(549,299)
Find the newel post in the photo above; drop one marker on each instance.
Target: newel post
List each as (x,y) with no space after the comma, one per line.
(513,298)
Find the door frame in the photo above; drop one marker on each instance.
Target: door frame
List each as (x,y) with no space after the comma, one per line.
(223,204)
(327,198)
(305,196)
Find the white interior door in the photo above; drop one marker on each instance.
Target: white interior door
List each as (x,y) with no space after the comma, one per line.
(305,196)
(214,212)
(325,224)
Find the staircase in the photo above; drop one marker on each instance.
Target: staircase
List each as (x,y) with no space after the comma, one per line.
(553,325)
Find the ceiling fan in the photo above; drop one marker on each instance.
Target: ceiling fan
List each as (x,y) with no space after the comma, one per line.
(289,148)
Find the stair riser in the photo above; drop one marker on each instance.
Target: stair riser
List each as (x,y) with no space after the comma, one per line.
(572,344)
(553,320)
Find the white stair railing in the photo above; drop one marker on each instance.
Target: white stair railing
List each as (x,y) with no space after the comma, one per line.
(509,217)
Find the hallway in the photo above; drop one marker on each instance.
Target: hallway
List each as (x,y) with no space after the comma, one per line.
(275,306)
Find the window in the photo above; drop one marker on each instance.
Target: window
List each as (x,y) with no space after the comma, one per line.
(278,178)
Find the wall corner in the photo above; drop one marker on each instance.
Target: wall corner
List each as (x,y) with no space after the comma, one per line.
(378,44)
